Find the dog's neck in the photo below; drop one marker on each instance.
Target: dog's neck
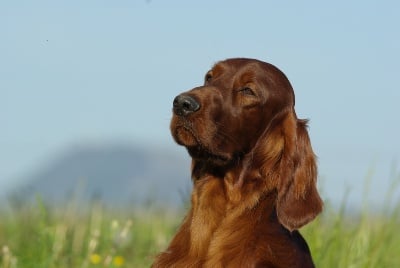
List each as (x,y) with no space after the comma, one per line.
(219,199)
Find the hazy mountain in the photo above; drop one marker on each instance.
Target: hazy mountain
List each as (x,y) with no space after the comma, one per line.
(118,174)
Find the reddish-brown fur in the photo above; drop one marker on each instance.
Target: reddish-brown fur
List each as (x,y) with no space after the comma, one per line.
(253,170)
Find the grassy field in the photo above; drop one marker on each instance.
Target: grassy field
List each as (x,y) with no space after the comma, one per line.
(36,236)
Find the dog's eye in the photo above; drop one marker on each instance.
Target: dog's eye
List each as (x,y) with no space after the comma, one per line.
(248,91)
(207,78)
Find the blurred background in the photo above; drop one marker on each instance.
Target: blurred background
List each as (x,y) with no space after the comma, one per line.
(86,89)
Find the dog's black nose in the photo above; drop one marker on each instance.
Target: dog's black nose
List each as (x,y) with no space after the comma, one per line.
(184,105)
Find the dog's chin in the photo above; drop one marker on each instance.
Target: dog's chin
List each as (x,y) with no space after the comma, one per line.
(201,153)
(196,148)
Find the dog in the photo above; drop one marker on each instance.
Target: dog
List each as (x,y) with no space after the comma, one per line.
(253,169)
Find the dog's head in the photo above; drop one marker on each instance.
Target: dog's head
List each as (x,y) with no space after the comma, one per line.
(245,110)
(224,118)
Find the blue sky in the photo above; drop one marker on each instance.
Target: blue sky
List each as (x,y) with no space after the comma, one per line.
(76,72)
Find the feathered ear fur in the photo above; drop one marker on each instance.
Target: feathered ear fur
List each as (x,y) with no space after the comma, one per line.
(290,165)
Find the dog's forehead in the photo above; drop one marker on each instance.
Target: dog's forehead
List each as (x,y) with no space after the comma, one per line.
(234,66)
(246,69)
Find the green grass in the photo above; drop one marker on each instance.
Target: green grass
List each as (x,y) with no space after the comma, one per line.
(35,235)
(39,236)
(337,239)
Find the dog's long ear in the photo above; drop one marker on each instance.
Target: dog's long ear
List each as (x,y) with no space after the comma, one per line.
(288,164)
(298,200)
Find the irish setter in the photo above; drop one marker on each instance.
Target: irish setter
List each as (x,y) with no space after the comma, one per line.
(253,169)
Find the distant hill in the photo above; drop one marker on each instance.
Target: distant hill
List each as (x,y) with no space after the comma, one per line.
(119,175)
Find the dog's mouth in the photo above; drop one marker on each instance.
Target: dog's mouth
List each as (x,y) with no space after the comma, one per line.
(184,135)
